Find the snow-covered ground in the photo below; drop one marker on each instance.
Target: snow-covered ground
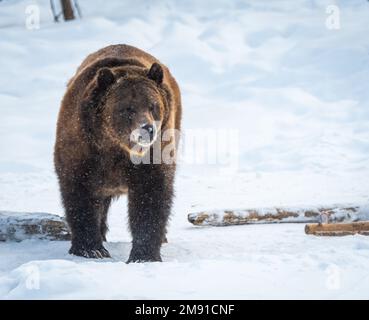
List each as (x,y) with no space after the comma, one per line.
(295,92)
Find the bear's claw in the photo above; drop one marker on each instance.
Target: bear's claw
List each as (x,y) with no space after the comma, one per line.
(141,260)
(99,253)
(139,257)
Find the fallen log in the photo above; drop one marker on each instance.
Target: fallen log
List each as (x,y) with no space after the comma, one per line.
(280,215)
(338,229)
(18,226)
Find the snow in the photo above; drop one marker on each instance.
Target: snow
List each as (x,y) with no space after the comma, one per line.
(294,91)
(285,263)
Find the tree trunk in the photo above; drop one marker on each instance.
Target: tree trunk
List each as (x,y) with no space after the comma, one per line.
(279,215)
(67,8)
(18,226)
(338,229)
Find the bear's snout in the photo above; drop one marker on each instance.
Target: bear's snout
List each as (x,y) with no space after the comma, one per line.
(145,135)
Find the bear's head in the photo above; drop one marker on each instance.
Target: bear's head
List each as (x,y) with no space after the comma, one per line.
(131,106)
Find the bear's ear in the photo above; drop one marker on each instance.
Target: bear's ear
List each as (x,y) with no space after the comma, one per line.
(104,78)
(156,73)
(98,87)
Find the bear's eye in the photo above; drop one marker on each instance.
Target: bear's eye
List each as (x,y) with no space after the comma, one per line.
(130,109)
(153,107)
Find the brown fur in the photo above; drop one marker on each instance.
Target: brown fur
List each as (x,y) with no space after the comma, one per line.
(112,90)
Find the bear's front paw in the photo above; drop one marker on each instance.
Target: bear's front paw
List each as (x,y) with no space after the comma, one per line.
(95,253)
(141,255)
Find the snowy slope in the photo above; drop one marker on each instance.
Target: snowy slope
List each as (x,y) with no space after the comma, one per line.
(295,92)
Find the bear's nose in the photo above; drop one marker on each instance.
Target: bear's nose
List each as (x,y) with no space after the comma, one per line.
(148,129)
(145,135)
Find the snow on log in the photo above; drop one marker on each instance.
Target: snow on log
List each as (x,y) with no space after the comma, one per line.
(18,226)
(280,215)
(338,229)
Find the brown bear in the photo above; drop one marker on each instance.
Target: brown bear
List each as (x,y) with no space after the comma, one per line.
(116,109)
